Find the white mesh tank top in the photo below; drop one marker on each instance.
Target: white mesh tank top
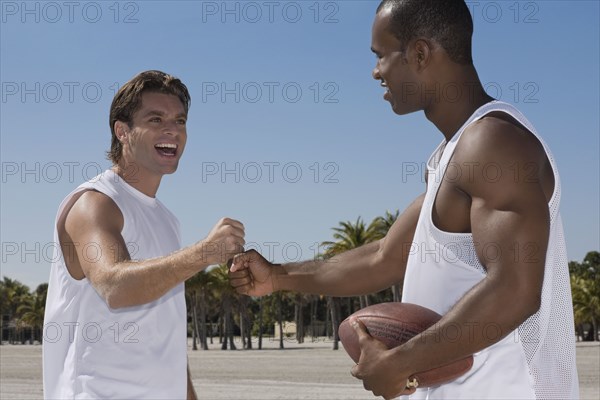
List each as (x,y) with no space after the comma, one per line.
(91,351)
(537,360)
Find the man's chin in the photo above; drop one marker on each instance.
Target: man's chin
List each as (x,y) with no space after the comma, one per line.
(400,109)
(169,169)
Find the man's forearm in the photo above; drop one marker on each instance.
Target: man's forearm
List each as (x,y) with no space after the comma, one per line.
(355,272)
(131,283)
(483,317)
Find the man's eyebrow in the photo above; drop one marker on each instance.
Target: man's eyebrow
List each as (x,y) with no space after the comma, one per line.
(162,113)
(154,112)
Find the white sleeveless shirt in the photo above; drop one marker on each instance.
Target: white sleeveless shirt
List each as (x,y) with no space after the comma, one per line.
(537,360)
(91,351)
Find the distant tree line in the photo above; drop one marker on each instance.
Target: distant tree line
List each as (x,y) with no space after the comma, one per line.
(217,312)
(585,287)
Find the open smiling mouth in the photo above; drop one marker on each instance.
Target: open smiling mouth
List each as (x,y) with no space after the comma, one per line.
(387,93)
(166,149)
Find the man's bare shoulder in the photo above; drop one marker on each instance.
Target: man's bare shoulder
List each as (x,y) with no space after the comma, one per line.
(498,155)
(89,216)
(499,137)
(93,209)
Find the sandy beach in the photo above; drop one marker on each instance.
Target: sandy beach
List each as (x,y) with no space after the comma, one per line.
(310,371)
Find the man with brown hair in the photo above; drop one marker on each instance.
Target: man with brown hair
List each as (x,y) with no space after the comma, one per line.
(115,323)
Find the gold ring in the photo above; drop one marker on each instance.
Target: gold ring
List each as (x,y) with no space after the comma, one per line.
(412,383)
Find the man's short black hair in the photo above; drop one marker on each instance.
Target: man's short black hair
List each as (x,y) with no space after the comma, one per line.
(448,22)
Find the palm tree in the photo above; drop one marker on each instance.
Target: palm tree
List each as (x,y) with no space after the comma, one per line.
(4,307)
(274,309)
(589,268)
(192,304)
(260,321)
(279,301)
(31,312)
(227,296)
(333,303)
(314,308)
(585,288)
(380,227)
(347,237)
(42,292)
(12,294)
(592,262)
(246,320)
(586,304)
(300,301)
(199,289)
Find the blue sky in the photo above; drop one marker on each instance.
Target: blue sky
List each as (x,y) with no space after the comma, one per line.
(287,132)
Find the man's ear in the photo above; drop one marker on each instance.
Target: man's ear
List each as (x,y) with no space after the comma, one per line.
(422,53)
(121,130)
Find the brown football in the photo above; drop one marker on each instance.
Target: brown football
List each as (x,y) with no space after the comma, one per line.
(394,324)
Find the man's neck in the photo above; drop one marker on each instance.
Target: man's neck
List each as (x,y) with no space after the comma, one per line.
(460,97)
(138,178)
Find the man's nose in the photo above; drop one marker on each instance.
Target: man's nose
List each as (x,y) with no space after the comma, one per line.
(375,73)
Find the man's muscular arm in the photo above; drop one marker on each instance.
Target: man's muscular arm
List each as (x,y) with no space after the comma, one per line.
(367,269)
(510,226)
(90,236)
